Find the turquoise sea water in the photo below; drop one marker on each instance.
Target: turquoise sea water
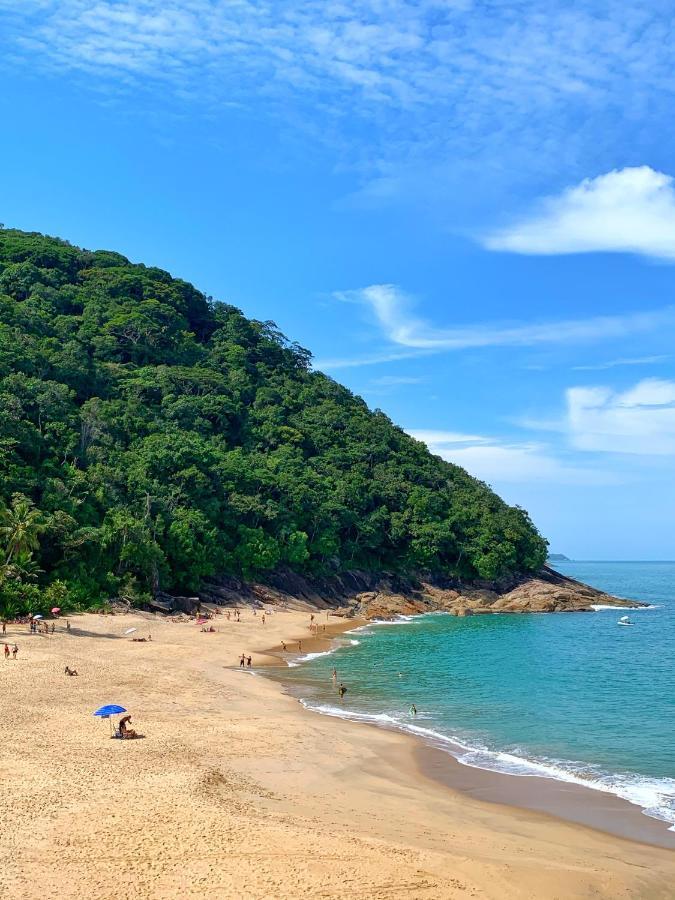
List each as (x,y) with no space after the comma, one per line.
(572,696)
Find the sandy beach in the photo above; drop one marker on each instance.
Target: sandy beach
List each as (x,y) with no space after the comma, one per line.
(235,790)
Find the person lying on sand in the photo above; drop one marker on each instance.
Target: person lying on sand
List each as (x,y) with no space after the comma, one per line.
(69,671)
(142,640)
(124,731)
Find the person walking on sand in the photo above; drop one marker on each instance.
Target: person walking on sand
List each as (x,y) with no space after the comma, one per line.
(4,627)
(6,651)
(15,650)
(299,645)
(242,661)
(283,646)
(263,618)
(67,624)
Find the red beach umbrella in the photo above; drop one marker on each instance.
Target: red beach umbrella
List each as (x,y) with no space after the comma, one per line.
(56,610)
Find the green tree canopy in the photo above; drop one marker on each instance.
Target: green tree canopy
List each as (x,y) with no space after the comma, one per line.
(152,437)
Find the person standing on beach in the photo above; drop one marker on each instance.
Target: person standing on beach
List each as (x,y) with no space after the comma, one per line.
(67,624)
(263,618)
(283,646)
(242,661)
(15,650)
(248,661)
(4,627)
(6,651)
(299,645)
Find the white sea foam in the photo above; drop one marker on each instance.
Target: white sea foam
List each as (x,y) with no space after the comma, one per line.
(598,607)
(654,796)
(336,645)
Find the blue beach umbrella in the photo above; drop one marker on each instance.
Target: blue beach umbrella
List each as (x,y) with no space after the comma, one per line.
(112,709)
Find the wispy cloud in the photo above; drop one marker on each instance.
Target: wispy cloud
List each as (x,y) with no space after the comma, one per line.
(624,361)
(392,309)
(434,78)
(396,380)
(498,461)
(348,362)
(626,211)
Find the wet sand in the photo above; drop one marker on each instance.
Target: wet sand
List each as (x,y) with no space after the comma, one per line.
(236,790)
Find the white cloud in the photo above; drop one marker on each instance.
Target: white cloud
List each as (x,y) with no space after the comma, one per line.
(392,310)
(640,420)
(500,462)
(630,210)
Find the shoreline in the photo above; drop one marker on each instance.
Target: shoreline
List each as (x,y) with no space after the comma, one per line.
(565,801)
(237,789)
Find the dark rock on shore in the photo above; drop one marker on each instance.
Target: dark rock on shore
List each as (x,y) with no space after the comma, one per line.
(370,596)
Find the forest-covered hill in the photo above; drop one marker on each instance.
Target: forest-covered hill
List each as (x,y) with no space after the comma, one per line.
(151,437)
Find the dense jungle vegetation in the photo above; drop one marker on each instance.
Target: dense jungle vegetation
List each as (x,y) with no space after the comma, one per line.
(152,438)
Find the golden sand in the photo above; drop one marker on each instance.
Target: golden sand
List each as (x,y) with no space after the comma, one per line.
(236,791)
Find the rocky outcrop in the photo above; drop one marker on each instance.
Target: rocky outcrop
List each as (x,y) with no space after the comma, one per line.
(369,596)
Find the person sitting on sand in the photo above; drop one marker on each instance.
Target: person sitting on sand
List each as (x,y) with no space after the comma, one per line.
(69,671)
(124,731)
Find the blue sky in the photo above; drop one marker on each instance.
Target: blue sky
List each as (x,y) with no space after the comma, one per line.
(465,210)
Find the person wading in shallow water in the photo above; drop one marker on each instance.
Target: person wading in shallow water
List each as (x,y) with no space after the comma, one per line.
(342,690)
(242,661)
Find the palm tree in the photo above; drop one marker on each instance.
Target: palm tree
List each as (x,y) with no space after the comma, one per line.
(20,527)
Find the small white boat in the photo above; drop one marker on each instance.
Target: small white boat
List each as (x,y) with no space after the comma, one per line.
(624,620)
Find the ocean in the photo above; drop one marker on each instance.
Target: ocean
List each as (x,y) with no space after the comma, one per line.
(570,696)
